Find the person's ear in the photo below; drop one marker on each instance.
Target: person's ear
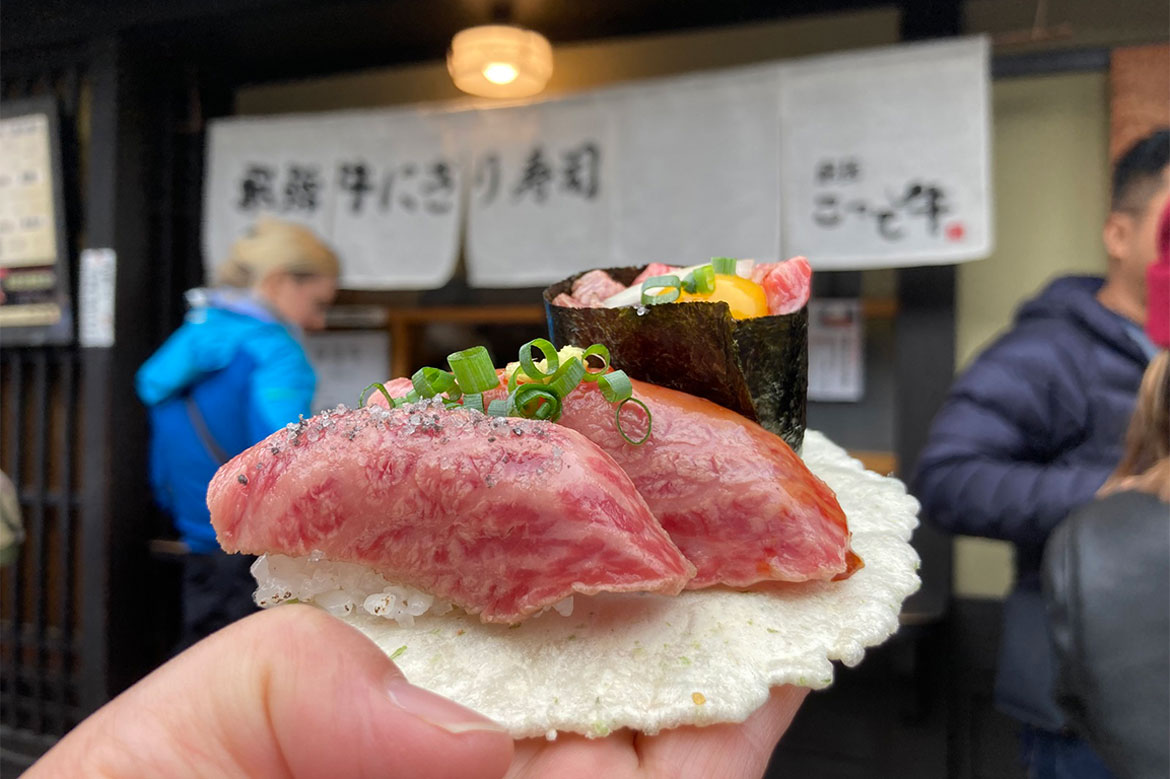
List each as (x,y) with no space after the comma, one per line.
(1117,233)
(269,286)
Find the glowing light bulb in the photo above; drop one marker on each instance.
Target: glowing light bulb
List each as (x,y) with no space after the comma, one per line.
(500,72)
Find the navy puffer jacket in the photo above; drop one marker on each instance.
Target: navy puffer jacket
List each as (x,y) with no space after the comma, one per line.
(1029,432)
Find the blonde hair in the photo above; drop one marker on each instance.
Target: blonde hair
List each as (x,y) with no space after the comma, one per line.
(1145,465)
(275,246)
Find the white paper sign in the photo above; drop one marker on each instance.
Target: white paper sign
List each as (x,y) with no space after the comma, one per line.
(676,170)
(884,156)
(870,159)
(696,174)
(383,188)
(28,228)
(543,191)
(836,365)
(346,362)
(95,297)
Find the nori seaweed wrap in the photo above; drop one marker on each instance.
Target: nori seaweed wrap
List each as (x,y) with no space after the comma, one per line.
(757,367)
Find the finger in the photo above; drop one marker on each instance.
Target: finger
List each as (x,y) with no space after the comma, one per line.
(574,756)
(287,692)
(725,750)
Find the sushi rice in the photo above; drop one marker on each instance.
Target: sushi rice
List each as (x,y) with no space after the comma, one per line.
(344,589)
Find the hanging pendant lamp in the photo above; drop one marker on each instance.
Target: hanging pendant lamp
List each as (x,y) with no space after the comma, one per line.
(500,60)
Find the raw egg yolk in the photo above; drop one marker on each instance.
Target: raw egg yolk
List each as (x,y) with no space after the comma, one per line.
(744,297)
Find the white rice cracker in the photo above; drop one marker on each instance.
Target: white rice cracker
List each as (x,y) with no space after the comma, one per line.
(649,662)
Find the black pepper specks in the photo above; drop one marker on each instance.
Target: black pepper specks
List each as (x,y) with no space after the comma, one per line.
(242,479)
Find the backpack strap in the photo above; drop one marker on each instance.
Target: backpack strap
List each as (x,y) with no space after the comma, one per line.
(200,425)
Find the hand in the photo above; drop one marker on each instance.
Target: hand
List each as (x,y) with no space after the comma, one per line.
(287,692)
(728,751)
(293,692)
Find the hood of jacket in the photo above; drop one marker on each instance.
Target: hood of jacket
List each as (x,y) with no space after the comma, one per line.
(1073,299)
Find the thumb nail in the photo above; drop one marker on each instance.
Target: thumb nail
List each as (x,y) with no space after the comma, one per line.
(437,710)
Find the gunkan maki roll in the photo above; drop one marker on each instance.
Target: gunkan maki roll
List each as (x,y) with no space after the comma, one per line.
(733,332)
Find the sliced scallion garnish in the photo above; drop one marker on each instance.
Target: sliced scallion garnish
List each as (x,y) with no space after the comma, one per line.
(615,386)
(474,401)
(597,352)
(378,386)
(567,377)
(617,415)
(704,279)
(537,401)
(668,286)
(724,266)
(552,360)
(473,370)
(537,394)
(429,382)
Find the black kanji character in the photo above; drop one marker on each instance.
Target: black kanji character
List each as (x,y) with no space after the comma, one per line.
(302,185)
(438,188)
(849,169)
(355,179)
(487,178)
(826,172)
(886,226)
(928,201)
(581,169)
(256,188)
(536,177)
(826,214)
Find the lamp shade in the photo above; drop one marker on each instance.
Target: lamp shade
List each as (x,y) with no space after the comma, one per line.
(498,60)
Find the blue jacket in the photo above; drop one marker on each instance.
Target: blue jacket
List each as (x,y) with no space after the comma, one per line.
(1028,433)
(248,375)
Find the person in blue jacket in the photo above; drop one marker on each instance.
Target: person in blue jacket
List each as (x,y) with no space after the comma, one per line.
(1034,427)
(232,374)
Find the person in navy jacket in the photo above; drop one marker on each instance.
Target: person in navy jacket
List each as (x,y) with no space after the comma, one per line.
(1033,428)
(232,374)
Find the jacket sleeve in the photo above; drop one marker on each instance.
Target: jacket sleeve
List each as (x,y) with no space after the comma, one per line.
(282,384)
(991,464)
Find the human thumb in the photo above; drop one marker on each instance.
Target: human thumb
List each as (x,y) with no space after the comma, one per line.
(287,692)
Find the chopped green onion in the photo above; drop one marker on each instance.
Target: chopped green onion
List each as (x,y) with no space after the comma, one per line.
(600,352)
(669,284)
(688,283)
(473,370)
(724,266)
(617,415)
(538,394)
(429,382)
(381,388)
(536,401)
(474,401)
(615,386)
(567,377)
(552,360)
(704,279)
